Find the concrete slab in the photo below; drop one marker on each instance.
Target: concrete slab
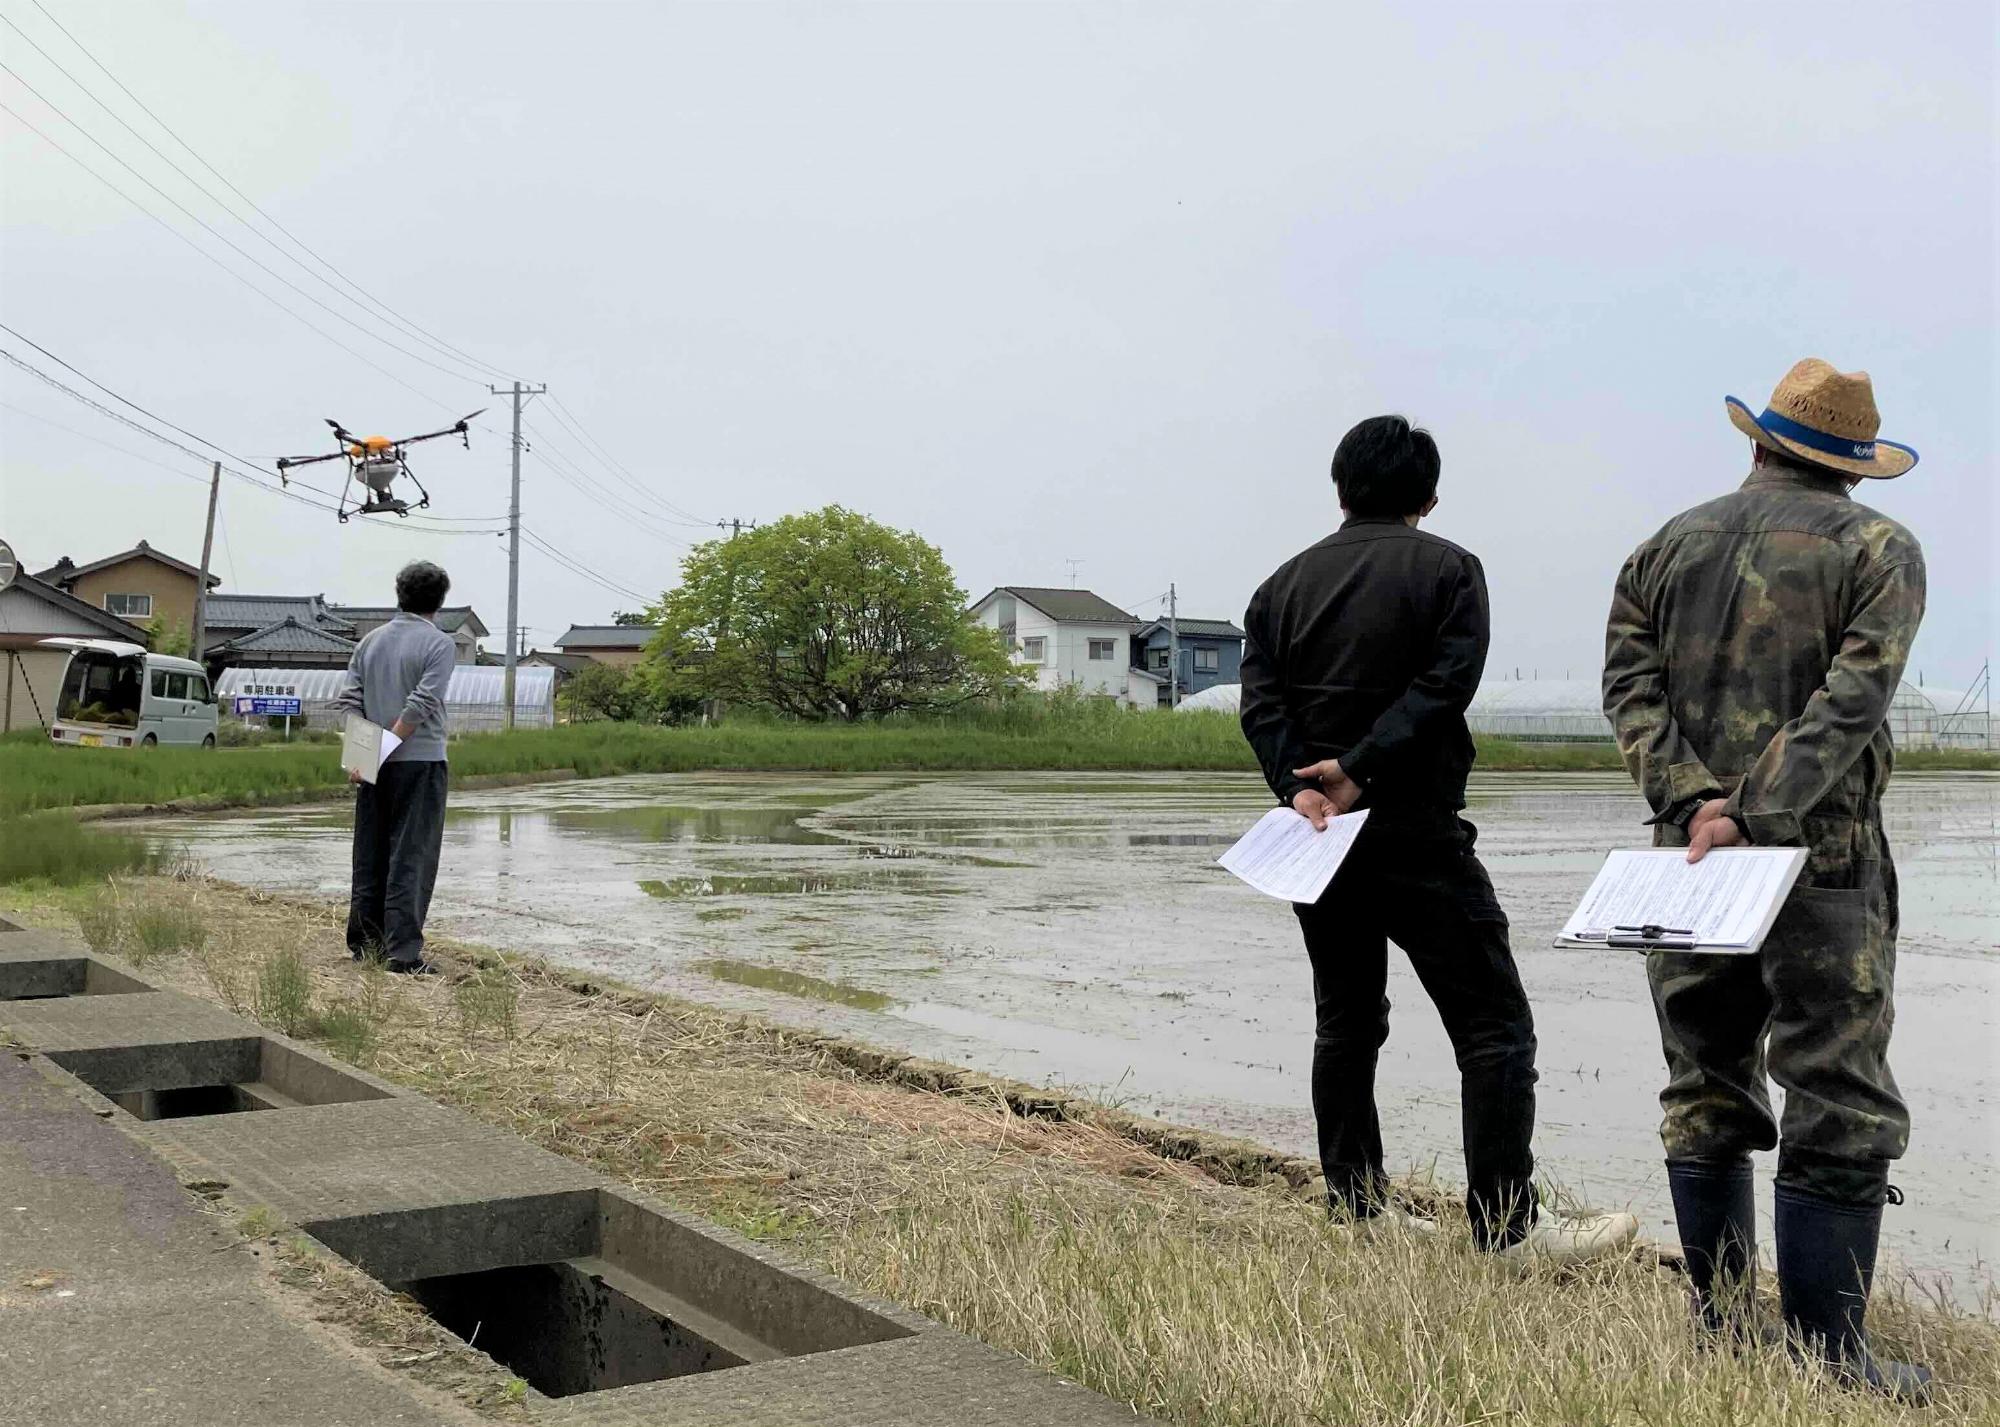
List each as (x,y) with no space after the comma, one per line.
(141,1018)
(363,1157)
(151,1313)
(928,1380)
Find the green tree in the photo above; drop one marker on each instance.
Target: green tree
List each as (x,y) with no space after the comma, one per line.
(823,615)
(597,691)
(631,617)
(175,639)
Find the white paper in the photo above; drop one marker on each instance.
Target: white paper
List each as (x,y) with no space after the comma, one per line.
(1283,856)
(365,746)
(1728,900)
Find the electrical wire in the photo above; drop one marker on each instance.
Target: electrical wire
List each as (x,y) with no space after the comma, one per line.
(577,480)
(574,425)
(413,329)
(233,246)
(576,567)
(483,370)
(295,316)
(254,479)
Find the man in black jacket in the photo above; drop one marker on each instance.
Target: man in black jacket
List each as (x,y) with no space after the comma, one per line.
(1362,654)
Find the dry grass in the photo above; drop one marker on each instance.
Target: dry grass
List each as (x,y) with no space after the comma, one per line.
(1140,1276)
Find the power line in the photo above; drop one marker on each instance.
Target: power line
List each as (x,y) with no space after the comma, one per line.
(203,189)
(576,567)
(256,480)
(574,424)
(155,416)
(296,317)
(214,233)
(577,481)
(412,327)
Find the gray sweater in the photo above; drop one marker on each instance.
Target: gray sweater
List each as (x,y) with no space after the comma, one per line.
(401,671)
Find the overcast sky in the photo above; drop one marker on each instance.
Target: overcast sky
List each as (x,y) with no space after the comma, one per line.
(1044,283)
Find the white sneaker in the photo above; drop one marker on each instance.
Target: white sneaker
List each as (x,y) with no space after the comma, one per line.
(1558,1239)
(1396,1221)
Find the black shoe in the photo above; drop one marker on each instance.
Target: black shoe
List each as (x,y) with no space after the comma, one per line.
(1715,1205)
(1826,1267)
(411,968)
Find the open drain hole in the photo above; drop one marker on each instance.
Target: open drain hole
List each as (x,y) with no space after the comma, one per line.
(55,977)
(565,1329)
(590,1289)
(213,1077)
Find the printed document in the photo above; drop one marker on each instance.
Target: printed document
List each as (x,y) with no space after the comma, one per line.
(1726,902)
(365,746)
(1282,856)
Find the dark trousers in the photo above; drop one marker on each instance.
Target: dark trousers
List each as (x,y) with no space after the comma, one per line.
(398,831)
(1418,883)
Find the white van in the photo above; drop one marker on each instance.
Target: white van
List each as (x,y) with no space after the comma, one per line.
(116,695)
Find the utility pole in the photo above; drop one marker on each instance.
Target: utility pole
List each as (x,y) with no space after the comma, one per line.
(1173,649)
(200,632)
(736,525)
(520,394)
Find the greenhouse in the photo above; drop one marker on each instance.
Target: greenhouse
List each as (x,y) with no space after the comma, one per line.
(1572,711)
(474,701)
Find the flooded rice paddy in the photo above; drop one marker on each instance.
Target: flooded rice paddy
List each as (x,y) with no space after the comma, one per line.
(1074,930)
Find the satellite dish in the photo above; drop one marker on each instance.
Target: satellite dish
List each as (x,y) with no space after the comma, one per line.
(9,566)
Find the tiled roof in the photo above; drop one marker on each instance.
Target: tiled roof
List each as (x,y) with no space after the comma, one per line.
(567,663)
(1197,629)
(450,619)
(606,636)
(255,611)
(287,636)
(62,599)
(1066,606)
(65,569)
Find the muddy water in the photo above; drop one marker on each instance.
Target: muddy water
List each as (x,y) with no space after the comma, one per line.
(1073,929)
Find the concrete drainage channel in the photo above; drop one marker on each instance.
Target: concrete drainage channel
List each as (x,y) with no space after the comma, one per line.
(613,1309)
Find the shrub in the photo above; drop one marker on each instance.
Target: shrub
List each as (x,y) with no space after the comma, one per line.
(101,920)
(164,924)
(490,998)
(284,991)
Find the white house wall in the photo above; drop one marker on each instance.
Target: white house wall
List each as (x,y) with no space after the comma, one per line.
(1066,661)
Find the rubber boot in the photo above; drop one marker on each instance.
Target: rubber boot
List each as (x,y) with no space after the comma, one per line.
(1826,1267)
(1716,1207)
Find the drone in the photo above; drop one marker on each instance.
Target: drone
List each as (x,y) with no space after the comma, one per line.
(376,462)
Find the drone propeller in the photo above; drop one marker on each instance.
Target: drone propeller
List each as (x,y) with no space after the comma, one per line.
(286,462)
(458,428)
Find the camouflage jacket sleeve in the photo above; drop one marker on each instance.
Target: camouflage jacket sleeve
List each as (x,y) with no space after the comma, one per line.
(1659,758)
(1809,755)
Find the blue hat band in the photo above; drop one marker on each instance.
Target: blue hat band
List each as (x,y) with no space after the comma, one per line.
(1842,446)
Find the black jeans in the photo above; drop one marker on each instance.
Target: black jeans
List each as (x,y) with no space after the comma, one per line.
(398,831)
(1416,881)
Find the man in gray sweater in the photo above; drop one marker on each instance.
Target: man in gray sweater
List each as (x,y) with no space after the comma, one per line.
(397,678)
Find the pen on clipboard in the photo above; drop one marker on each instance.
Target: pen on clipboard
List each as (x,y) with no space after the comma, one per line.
(1652,937)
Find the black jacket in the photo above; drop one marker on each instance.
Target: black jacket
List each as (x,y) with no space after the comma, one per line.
(1367,648)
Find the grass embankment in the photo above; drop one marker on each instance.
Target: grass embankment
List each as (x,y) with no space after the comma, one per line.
(1031,734)
(1201,1302)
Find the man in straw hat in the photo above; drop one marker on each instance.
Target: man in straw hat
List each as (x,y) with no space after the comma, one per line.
(1753,648)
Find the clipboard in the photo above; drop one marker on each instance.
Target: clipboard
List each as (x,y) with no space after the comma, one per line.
(1654,899)
(364,746)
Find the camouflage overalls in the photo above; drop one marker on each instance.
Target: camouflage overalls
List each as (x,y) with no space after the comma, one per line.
(1753,648)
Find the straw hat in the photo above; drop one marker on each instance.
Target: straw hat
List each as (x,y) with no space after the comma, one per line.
(1827,418)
